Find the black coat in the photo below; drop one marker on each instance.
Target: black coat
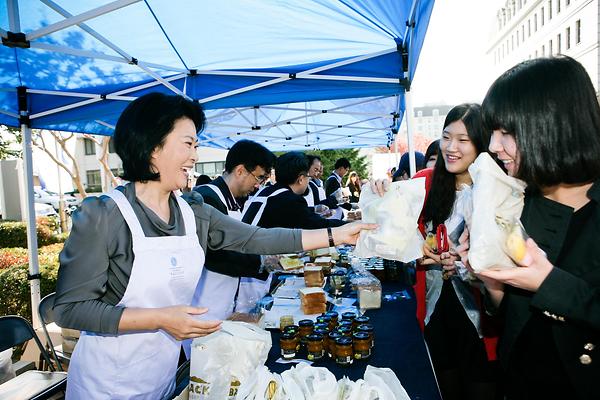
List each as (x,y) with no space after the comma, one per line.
(570,295)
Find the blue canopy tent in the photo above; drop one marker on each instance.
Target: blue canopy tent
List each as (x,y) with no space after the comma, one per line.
(292,74)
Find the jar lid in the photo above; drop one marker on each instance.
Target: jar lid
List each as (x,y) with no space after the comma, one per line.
(321,325)
(306,322)
(314,337)
(291,328)
(321,331)
(344,341)
(361,335)
(334,335)
(323,318)
(288,335)
(362,319)
(348,315)
(344,329)
(365,328)
(332,314)
(345,322)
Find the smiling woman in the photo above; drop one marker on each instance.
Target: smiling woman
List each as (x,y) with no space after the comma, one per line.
(134,257)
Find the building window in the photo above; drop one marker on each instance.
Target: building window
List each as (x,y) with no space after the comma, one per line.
(528,28)
(568,2)
(89,147)
(536,54)
(117,171)
(549,10)
(568,38)
(210,168)
(94,182)
(542,16)
(512,42)
(558,6)
(517,38)
(111,146)
(535,22)
(543,50)
(558,43)
(578,31)
(550,48)
(522,33)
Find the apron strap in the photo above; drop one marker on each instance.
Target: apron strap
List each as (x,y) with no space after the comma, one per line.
(217,192)
(263,203)
(189,219)
(127,211)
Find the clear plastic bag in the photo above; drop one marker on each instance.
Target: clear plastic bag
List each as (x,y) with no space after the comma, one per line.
(397,214)
(6,368)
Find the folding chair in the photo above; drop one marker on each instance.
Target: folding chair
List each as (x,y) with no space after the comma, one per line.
(32,384)
(46,313)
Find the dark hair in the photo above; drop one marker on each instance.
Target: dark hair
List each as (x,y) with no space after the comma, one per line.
(404,164)
(290,166)
(342,163)
(549,105)
(312,158)
(443,184)
(251,155)
(432,150)
(144,125)
(203,180)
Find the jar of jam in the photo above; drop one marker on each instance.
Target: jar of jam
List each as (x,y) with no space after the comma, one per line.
(349,316)
(285,320)
(345,330)
(361,345)
(288,342)
(334,317)
(294,330)
(315,347)
(344,354)
(306,327)
(330,343)
(359,321)
(367,328)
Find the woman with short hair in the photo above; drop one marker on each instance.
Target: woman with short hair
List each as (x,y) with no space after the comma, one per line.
(134,256)
(545,120)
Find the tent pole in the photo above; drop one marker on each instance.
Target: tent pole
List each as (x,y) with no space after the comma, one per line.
(32,244)
(409,114)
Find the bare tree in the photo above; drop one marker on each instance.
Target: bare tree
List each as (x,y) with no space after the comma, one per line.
(103,159)
(73,171)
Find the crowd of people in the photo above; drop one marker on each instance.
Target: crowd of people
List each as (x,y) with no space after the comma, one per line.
(144,269)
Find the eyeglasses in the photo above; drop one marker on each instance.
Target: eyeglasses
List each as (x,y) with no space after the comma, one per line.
(259,179)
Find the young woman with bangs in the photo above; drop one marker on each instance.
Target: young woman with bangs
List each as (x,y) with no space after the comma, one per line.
(452,320)
(545,119)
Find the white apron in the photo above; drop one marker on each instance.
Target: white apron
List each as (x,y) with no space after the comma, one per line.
(141,365)
(251,290)
(217,291)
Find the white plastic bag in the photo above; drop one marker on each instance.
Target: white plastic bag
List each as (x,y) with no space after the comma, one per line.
(316,383)
(497,197)
(222,361)
(359,390)
(386,383)
(264,385)
(397,214)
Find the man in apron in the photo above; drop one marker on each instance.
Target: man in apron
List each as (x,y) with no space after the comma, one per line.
(315,193)
(247,166)
(333,186)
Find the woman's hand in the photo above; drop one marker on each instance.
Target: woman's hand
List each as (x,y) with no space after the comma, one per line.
(379,186)
(349,233)
(178,321)
(528,277)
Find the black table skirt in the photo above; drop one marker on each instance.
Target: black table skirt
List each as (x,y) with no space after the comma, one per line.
(399,345)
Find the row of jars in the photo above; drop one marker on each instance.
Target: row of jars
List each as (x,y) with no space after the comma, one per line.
(351,338)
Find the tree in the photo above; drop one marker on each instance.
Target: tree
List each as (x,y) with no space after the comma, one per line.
(329,157)
(73,171)
(8,138)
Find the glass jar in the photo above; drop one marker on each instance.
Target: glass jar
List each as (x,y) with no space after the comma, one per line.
(344,354)
(368,328)
(288,342)
(323,319)
(330,343)
(360,321)
(294,330)
(346,323)
(334,318)
(361,345)
(285,320)
(306,327)
(315,347)
(321,331)
(321,325)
